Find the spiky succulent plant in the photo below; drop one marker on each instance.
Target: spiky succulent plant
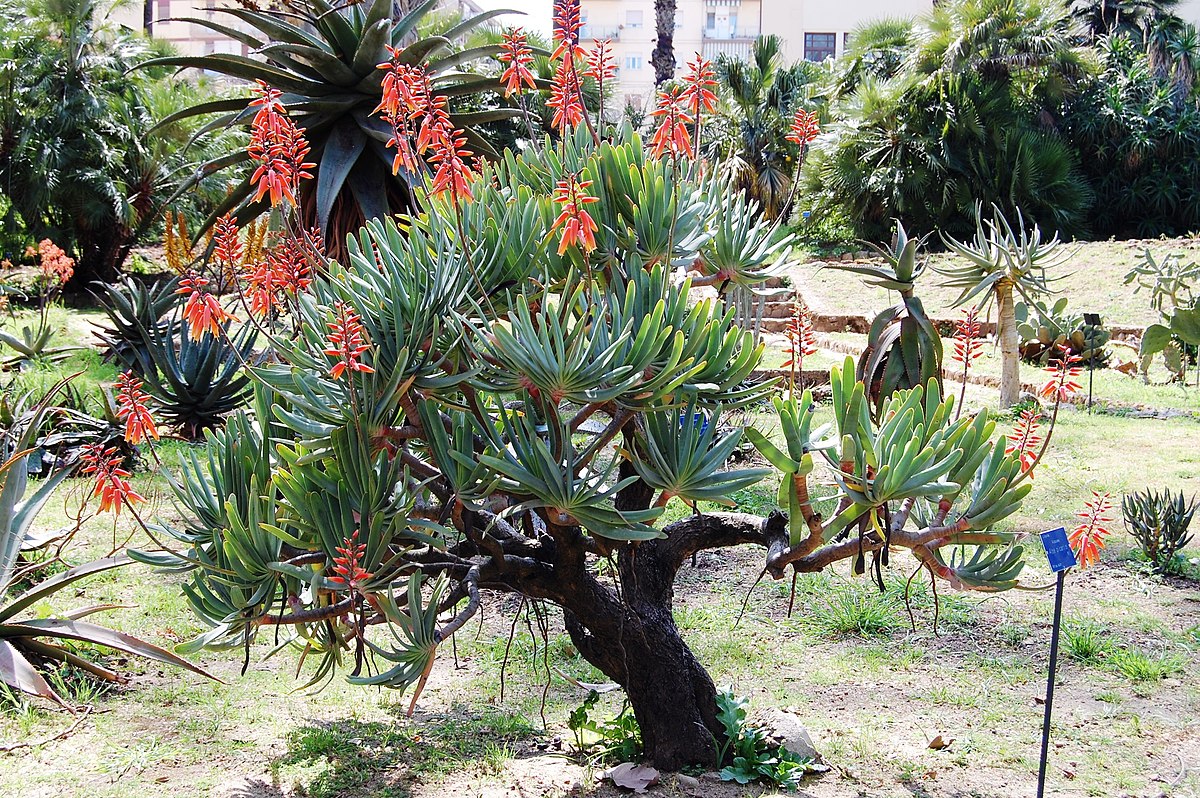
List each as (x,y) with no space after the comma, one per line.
(324,58)
(903,348)
(1159,523)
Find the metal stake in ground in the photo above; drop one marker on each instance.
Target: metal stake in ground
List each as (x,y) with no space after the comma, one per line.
(1062,559)
(1092,320)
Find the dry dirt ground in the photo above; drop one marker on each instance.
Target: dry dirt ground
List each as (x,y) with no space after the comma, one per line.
(871,701)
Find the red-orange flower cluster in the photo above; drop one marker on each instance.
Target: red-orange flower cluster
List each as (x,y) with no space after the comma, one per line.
(515,52)
(133,408)
(278,147)
(1089,537)
(347,341)
(565,96)
(805,128)
(968,338)
(111,486)
(600,63)
(698,83)
(202,310)
(285,273)
(672,134)
(577,224)
(227,244)
(57,266)
(802,339)
(1062,386)
(348,565)
(420,123)
(1025,440)
(567,22)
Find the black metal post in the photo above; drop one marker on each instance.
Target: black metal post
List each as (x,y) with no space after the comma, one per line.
(1058,599)
(1092,320)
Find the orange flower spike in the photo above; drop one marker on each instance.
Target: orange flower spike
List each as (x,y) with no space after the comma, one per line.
(132,408)
(202,310)
(111,486)
(968,338)
(577,224)
(348,565)
(278,147)
(227,249)
(805,128)
(347,342)
(565,97)
(515,52)
(801,334)
(672,134)
(601,66)
(452,172)
(698,85)
(1090,536)
(567,23)
(1062,386)
(1025,440)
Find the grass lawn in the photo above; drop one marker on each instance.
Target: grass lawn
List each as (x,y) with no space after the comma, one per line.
(872,690)
(1093,280)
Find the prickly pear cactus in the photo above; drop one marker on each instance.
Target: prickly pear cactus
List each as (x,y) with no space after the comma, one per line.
(1044,331)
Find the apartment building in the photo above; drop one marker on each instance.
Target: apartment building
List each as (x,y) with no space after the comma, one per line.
(164,19)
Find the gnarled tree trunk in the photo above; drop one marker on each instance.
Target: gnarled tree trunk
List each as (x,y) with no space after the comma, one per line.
(632,637)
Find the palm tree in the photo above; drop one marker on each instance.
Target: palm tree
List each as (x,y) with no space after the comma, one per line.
(79,163)
(663,56)
(764,93)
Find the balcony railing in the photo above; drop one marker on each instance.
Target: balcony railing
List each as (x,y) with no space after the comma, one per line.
(731,34)
(612,32)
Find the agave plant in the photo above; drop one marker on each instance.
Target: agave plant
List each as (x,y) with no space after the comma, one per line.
(903,349)
(29,644)
(1159,523)
(135,314)
(196,382)
(1000,263)
(324,58)
(33,345)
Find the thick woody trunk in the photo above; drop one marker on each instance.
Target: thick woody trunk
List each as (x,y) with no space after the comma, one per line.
(1010,355)
(633,639)
(636,643)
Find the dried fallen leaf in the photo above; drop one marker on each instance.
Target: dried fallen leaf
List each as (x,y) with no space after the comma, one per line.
(938,743)
(631,776)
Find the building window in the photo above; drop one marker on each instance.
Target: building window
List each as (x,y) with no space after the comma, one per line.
(164,9)
(733,23)
(819,46)
(633,62)
(845,41)
(710,21)
(633,19)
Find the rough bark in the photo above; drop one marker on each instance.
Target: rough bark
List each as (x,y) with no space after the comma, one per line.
(633,639)
(1010,356)
(663,56)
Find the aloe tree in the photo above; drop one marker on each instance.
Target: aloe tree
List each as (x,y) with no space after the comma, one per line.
(1002,262)
(419,443)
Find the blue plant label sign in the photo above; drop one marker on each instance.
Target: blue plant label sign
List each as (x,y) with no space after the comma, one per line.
(1058,549)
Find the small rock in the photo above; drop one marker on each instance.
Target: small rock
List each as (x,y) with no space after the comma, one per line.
(687,782)
(787,730)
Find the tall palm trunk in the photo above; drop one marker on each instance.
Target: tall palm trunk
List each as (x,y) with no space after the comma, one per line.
(663,57)
(1010,355)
